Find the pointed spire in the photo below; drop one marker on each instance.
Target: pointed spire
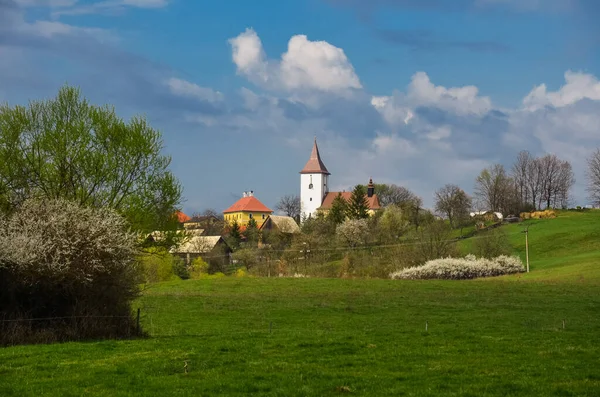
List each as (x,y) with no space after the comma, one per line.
(315,164)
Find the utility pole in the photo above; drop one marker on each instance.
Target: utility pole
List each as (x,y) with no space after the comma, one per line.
(526,231)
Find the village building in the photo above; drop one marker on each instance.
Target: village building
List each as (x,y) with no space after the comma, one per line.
(282,224)
(246,208)
(314,188)
(212,249)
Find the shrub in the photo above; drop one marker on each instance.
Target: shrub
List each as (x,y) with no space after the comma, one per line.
(462,268)
(491,244)
(58,259)
(157,265)
(198,268)
(180,269)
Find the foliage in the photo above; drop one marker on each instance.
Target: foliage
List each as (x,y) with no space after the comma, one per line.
(59,259)
(390,194)
(495,190)
(157,265)
(434,241)
(337,212)
(353,232)
(358,206)
(462,268)
(247,257)
(198,268)
(180,269)
(391,224)
(234,237)
(491,243)
(251,232)
(67,148)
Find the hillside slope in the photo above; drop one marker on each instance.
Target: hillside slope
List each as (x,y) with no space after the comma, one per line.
(564,248)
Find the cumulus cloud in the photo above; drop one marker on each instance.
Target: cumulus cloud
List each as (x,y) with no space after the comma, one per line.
(578,86)
(305,66)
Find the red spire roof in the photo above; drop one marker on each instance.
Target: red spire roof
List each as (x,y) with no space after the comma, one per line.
(248,204)
(181,217)
(315,164)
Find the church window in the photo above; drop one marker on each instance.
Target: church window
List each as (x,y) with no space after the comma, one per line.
(311,199)
(310,186)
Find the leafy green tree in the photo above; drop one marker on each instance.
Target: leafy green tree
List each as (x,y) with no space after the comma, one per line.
(337,212)
(251,232)
(358,207)
(67,148)
(235,236)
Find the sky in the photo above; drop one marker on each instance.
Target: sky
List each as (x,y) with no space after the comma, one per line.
(419,93)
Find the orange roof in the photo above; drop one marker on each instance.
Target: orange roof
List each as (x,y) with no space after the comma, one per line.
(181,217)
(248,204)
(315,164)
(373,200)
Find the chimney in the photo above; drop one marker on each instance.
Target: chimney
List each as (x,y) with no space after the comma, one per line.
(251,194)
(370,188)
(245,194)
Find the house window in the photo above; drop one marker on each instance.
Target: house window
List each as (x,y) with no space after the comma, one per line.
(250,216)
(263,216)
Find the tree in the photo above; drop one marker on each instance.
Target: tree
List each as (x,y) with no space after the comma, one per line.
(353,232)
(520,173)
(391,225)
(338,210)
(235,236)
(62,260)
(453,202)
(391,194)
(495,189)
(251,232)
(290,205)
(593,177)
(358,207)
(68,148)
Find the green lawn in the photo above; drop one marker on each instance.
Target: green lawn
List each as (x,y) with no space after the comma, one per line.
(317,337)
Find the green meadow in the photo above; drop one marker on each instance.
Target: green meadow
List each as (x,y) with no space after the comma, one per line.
(535,334)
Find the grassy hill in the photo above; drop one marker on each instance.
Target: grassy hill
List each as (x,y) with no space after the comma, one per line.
(536,334)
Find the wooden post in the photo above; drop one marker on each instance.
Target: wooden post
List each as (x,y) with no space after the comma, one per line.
(137,324)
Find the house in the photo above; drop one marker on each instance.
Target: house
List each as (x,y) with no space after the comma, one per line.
(181,217)
(314,188)
(246,208)
(282,224)
(210,248)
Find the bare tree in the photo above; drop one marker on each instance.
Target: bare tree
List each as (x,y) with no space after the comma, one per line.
(593,176)
(289,205)
(452,202)
(557,178)
(495,189)
(394,195)
(520,173)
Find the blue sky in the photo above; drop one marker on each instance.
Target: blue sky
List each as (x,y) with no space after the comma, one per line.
(415,92)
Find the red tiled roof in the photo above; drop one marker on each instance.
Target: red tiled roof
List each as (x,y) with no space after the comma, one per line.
(248,204)
(315,164)
(181,217)
(373,200)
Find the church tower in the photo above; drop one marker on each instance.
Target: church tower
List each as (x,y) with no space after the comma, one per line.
(314,183)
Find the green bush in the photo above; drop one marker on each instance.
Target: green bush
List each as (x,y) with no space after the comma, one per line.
(491,244)
(157,264)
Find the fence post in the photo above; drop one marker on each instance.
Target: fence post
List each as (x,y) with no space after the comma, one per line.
(137,324)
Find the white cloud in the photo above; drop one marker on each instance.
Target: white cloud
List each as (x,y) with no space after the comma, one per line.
(186,89)
(578,86)
(305,66)
(462,100)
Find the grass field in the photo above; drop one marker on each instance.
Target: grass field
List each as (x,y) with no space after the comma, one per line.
(317,337)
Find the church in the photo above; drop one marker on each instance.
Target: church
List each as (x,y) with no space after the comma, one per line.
(314,188)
